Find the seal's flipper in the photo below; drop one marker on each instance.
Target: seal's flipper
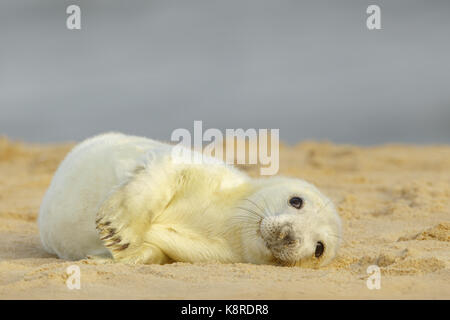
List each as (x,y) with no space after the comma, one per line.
(125,217)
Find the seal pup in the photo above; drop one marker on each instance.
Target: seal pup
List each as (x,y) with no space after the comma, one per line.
(128,198)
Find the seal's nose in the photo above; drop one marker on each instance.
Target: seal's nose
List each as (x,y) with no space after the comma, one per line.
(286,236)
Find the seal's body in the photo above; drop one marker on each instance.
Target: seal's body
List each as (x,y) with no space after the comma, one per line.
(131,199)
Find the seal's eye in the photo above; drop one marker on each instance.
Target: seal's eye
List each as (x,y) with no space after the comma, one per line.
(319,249)
(296,202)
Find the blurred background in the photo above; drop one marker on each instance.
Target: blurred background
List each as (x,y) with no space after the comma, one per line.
(311,69)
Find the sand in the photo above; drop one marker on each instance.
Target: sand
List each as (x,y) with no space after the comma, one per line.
(393,199)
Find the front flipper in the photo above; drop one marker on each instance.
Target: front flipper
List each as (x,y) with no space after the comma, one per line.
(126,215)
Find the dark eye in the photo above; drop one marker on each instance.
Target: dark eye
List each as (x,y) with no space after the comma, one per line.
(319,249)
(296,202)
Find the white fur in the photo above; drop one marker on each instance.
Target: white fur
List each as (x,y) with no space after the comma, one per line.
(148,208)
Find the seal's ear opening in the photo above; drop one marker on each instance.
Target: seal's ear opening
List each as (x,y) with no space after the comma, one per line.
(124,218)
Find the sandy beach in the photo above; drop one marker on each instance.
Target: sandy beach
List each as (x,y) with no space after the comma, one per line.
(394,201)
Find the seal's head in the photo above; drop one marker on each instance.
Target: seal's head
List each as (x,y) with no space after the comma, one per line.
(293,224)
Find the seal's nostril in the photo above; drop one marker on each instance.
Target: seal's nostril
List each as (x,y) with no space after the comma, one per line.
(284,233)
(319,249)
(286,236)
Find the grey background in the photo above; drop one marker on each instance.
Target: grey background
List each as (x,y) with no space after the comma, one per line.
(311,69)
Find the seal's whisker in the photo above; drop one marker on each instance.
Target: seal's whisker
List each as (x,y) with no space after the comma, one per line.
(268,209)
(249,224)
(249,229)
(247,219)
(251,211)
(253,202)
(272,205)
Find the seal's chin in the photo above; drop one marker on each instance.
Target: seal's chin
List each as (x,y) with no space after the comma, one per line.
(287,263)
(289,257)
